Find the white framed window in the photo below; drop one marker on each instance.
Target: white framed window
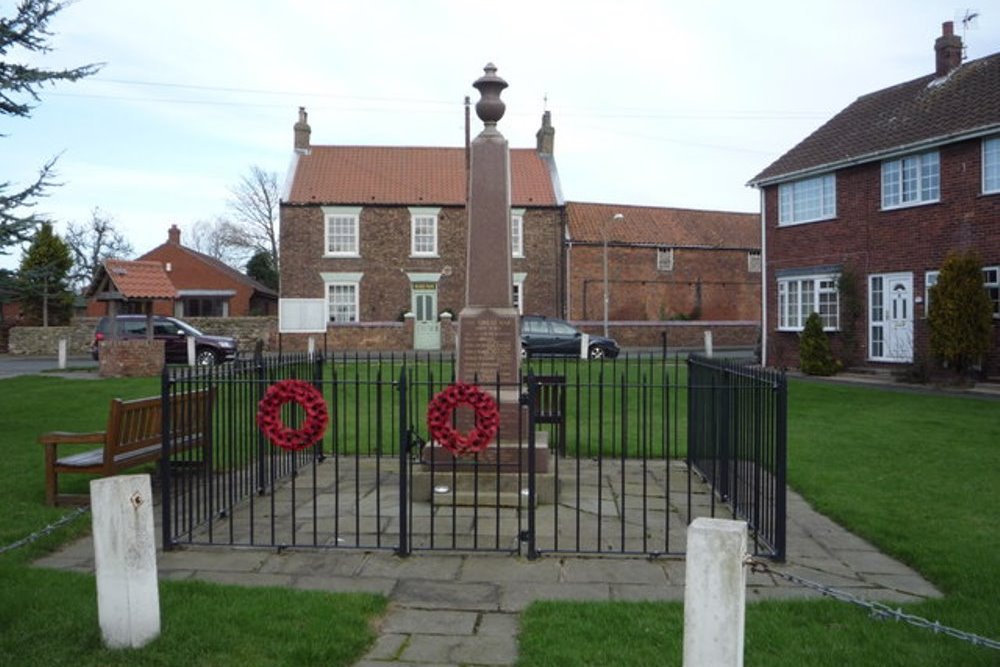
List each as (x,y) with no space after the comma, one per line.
(517,232)
(664,259)
(930,280)
(343,297)
(424,232)
(517,292)
(801,296)
(991,165)
(911,180)
(808,200)
(753,261)
(991,281)
(341,231)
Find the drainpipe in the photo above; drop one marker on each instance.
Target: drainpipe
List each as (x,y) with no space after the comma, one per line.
(763,278)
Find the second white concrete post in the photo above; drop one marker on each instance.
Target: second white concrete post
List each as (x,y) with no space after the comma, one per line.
(128,597)
(708,343)
(62,354)
(715,593)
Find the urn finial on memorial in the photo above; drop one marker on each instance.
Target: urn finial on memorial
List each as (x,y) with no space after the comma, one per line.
(490,107)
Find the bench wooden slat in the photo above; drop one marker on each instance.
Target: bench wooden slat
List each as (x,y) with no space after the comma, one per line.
(132,438)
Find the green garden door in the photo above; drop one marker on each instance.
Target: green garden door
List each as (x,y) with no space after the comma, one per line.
(426,328)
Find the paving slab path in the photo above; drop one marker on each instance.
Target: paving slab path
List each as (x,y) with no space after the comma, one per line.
(462,608)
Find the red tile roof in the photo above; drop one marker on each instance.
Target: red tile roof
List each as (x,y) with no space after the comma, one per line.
(360,175)
(139,280)
(675,227)
(965,103)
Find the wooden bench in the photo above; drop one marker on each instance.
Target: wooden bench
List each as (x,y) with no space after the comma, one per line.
(132,437)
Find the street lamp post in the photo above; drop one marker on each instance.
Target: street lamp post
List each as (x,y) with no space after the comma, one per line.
(618,217)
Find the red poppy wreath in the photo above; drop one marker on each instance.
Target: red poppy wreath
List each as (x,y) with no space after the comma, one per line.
(269,414)
(439,420)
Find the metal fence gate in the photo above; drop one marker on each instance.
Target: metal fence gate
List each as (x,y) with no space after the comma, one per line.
(606,457)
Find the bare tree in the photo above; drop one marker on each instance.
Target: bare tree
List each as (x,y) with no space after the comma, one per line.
(215,238)
(93,242)
(255,213)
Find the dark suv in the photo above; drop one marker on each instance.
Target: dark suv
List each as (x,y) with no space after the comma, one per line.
(174,333)
(546,335)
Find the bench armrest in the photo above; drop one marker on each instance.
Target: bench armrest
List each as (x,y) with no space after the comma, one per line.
(68,437)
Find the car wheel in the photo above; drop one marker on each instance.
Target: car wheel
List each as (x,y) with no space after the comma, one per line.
(206,357)
(596,352)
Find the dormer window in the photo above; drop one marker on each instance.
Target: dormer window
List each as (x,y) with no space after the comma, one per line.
(912,180)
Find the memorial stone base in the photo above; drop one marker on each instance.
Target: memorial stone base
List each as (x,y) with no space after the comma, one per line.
(496,476)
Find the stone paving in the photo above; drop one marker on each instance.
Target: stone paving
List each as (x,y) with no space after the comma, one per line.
(451,608)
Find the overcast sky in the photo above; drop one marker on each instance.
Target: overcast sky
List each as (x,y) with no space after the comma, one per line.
(654,103)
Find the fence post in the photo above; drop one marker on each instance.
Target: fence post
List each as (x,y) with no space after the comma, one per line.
(166,482)
(532,400)
(128,597)
(708,344)
(404,471)
(715,593)
(62,354)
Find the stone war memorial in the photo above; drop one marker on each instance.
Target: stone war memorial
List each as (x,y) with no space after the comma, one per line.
(489,348)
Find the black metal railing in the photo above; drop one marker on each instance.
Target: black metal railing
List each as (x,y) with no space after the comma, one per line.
(598,459)
(737,442)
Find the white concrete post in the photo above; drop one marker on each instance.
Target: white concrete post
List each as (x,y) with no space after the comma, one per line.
(715,593)
(584,345)
(62,354)
(191,351)
(128,600)
(312,347)
(708,343)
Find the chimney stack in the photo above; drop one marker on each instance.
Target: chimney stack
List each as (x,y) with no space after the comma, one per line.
(302,131)
(947,50)
(546,136)
(174,235)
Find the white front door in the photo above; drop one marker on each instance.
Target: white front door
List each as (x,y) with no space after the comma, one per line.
(890,317)
(426,328)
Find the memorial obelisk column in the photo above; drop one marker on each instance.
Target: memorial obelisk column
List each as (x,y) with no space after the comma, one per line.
(489,342)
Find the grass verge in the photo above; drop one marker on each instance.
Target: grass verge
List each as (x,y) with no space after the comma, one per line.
(914,473)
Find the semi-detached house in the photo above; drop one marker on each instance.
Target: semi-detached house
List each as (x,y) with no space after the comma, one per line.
(858,218)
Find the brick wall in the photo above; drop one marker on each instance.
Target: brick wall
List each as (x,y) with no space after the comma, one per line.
(710,284)
(863,236)
(131,358)
(677,334)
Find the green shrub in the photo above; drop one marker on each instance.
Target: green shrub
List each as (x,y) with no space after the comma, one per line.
(961,314)
(815,356)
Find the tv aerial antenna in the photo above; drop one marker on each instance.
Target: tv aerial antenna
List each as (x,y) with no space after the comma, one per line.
(968,19)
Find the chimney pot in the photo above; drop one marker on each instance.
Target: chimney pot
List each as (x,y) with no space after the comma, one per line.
(174,235)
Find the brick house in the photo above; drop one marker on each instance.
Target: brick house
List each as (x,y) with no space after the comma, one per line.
(859,216)
(369,233)
(205,286)
(664,263)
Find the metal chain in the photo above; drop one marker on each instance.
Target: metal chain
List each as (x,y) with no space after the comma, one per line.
(877,610)
(45,531)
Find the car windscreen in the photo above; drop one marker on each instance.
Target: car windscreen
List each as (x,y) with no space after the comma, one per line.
(187,328)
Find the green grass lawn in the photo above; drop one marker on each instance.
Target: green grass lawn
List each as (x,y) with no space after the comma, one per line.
(914,473)
(917,474)
(50,618)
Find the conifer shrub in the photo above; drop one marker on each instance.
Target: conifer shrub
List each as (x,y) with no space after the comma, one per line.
(815,355)
(960,316)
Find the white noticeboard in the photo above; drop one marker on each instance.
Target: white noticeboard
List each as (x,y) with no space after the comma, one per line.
(301,316)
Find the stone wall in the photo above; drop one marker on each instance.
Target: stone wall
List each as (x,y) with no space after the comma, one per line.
(44,341)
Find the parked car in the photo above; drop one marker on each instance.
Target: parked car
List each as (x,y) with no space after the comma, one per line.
(549,336)
(174,333)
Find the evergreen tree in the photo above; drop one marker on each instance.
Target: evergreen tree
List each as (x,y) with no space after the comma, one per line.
(262,269)
(27,32)
(43,279)
(815,356)
(961,314)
